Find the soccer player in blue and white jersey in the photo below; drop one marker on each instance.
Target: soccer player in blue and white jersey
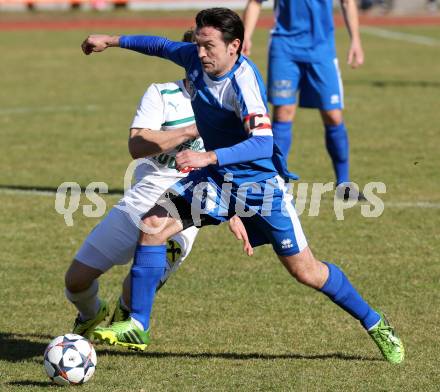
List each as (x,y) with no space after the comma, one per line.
(164,124)
(240,172)
(302,58)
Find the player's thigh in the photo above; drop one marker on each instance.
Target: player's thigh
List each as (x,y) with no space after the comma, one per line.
(321,87)
(279,225)
(283,75)
(111,242)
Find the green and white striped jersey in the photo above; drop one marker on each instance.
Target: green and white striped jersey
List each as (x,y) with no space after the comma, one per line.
(166,106)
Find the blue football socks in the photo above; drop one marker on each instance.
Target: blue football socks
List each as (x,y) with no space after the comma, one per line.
(147,270)
(336,140)
(339,289)
(282,136)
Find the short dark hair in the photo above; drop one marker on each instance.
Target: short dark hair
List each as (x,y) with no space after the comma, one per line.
(188,36)
(225,20)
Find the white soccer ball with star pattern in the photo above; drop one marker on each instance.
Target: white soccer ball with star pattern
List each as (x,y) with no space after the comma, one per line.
(70,360)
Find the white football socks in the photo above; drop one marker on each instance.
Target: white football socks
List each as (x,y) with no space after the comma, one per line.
(87,301)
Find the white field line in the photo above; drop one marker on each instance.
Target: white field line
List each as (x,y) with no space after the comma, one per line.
(25,192)
(47,109)
(409,204)
(388,204)
(398,36)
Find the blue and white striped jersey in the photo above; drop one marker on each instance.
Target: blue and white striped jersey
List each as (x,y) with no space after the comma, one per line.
(224,107)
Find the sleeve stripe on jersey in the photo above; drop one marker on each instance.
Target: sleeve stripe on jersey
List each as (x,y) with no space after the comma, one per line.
(168,91)
(240,97)
(247,82)
(177,122)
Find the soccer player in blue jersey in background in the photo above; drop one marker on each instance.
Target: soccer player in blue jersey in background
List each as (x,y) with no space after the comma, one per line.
(229,104)
(302,58)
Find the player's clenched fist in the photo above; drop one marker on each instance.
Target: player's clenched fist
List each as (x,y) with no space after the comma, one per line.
(99,42)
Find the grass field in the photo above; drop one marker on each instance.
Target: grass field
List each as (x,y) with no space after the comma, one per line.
(224,322)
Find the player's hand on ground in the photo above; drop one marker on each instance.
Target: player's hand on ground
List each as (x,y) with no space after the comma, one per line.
(98,43)
(237,228)
(355,55)
(194,159)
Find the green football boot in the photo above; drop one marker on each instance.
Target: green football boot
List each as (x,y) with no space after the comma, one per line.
(388,342)
(85,328)
(125,334)
(119,314)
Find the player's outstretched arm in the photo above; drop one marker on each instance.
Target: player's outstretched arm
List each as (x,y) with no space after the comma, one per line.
(355,56)
(99,42)
(250,17)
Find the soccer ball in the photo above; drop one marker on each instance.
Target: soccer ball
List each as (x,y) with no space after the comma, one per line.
(70,360)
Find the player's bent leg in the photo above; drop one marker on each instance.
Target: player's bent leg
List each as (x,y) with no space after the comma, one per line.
(82,290)
(291,247)
(178,249)
(148,268)
(111,242)
(331,280)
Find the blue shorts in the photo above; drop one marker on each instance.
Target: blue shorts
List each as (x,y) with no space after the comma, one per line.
(266,209)
(318,84)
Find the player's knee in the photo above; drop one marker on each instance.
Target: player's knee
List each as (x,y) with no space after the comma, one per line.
(80,277)
(332,117)
(151,232)
(305,268)
(284,113)
(303,275)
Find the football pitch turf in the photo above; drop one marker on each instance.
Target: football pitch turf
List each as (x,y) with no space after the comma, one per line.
(224,322)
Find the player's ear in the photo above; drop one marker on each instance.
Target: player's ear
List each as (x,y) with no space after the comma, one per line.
(234,46)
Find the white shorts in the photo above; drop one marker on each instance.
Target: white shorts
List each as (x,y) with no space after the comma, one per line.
(113,241)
